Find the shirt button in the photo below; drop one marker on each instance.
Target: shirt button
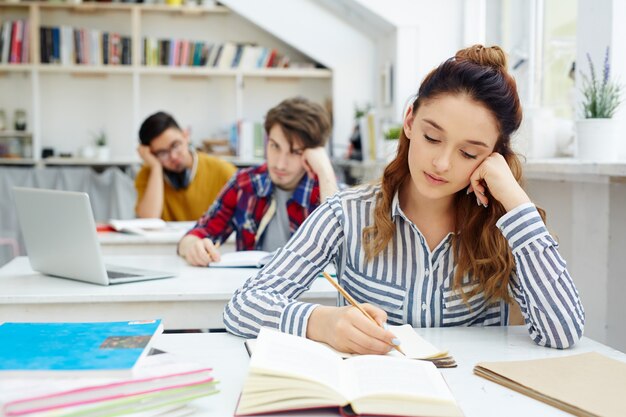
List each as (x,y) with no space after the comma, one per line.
(424,306)
(426,271)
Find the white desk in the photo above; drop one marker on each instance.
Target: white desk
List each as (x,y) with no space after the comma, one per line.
(194,299)
(476,396)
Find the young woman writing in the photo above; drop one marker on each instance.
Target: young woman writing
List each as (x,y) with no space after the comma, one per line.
(448,237)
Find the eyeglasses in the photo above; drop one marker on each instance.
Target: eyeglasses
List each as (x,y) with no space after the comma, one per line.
(165,154)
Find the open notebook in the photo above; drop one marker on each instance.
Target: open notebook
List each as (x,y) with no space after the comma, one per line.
(288,373)
(412,344)
(153,228)
(243,259)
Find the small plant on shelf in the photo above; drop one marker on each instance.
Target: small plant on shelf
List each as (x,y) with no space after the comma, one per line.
(393,133)
(601,96)
(101,138)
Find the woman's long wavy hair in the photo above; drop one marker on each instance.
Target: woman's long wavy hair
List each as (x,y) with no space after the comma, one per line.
(480,248)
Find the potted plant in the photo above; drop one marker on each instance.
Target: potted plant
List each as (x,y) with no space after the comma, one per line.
(103,152)
(596,135)
(392,136)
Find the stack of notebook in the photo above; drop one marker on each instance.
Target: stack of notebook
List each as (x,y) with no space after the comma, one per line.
(94,369)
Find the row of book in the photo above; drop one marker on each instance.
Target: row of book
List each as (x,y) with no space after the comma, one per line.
(228,55)
(14,42)
(94,369)
(67,46)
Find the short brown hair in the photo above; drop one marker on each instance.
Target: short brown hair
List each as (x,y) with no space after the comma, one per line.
(300,119)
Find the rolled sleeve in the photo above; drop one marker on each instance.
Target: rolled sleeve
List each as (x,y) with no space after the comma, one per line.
(295,317)
(522,226)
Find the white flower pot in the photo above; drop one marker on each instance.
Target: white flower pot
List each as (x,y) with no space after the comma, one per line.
(103,153)
(597,140)
(391,149)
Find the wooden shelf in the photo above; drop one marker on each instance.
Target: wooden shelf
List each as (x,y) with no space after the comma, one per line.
(15,134)
(164,8)
(187,71)
(16,67)
(216,72)
(17,161)
(127,7)
(85,69)
(571,166)
(288,73)
(168,70)
(74,161)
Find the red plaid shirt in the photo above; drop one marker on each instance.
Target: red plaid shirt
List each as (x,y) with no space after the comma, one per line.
(243,202)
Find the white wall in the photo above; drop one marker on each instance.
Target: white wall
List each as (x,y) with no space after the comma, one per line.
(427,33)
(356,46)
(328,39)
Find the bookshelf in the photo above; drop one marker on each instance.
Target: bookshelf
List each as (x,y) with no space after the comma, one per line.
(67,104)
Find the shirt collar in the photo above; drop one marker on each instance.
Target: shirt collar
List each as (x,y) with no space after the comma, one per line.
(395,206)
(301,195)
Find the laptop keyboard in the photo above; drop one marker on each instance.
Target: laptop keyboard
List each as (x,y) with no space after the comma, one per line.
(115,274)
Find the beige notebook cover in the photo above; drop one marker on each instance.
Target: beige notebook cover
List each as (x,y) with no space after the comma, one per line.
(587,384)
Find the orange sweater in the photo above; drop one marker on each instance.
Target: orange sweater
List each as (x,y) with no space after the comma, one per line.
(190,203)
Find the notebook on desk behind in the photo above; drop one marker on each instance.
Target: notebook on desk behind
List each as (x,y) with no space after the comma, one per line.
(61,239)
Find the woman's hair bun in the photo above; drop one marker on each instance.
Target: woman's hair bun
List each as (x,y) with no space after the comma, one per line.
(492,56)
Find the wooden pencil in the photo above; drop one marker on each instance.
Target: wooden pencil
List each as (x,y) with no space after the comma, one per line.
(353,302)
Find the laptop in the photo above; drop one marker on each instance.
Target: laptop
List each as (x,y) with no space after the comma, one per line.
(61,238)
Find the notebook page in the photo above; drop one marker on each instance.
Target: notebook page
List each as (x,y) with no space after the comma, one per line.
(371,374)
(284,354)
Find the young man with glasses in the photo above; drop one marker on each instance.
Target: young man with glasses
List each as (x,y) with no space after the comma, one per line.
(265,205)
(176,183)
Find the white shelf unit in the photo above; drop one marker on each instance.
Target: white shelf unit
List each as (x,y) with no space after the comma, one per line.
(67,105)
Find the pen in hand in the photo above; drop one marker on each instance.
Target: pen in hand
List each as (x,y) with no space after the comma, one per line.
(216,245)
(352,301)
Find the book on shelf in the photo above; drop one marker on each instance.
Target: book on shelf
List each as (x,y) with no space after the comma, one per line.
(586,384)
(14,42)
(162,384)
(413,345)
(371,142)
(243,259)
(79,349)
(224,56)
(247,139)
(289,372)
(66,46)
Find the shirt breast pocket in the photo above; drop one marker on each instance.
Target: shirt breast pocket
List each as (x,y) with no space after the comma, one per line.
(245,221)
(460,312)
(367,289)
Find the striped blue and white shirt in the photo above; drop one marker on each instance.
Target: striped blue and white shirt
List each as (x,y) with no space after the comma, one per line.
(409,281)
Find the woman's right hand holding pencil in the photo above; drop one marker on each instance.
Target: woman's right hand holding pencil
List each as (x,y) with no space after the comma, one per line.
(348,330)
